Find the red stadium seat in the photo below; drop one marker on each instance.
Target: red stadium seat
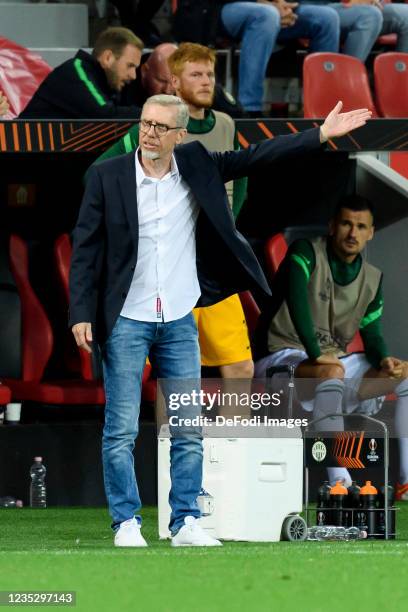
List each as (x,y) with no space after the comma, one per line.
(330,77)
(37,346)
(387,40)
(251,311)
(5,395)
(356,345)
(275,251)
(62,256)
(21,73)
(391,84)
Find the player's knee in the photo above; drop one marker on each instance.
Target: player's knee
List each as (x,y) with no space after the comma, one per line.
(267,19)
(332,371)
(326,20)
(371,18)
(248,368)
(241,369)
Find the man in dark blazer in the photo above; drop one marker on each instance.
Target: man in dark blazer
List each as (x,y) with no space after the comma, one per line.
(155,237)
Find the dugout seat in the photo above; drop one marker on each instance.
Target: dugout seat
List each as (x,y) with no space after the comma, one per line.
(330,77)
(391,84)
(251,312)
(275,251)
(5,395)
(37,345)
(74,359)
(88,369)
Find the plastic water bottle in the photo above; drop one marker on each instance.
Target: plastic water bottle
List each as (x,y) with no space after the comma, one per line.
(311,532)
(10,502)
(335,532)
(354,533)
(337,497)
(353,503)
(38,493)
(368,513)
(323,514)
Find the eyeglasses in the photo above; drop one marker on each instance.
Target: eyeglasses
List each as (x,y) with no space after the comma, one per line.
(160,129)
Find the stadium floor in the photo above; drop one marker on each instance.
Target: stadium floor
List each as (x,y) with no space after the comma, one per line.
(71,549)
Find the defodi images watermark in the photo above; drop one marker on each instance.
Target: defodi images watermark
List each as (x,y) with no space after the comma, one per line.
(220,405)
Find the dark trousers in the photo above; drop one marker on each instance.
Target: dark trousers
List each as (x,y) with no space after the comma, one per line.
(137,16)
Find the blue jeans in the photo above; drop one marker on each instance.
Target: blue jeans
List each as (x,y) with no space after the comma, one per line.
(362,24)
(360,27)
(395,21)
(174,353)
(258,28)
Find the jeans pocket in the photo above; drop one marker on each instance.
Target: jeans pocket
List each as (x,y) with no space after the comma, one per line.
(115,330)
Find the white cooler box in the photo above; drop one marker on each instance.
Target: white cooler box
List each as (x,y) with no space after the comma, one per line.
(255,484)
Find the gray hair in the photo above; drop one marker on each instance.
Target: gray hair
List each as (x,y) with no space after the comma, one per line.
(166,100)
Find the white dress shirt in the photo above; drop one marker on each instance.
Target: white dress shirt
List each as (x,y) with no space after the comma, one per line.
(165,286)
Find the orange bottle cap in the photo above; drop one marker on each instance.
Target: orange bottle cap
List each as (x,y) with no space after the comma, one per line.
(368,489)
(338,489)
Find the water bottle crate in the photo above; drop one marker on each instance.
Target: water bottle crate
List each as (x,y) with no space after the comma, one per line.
(332,497)
(351,518)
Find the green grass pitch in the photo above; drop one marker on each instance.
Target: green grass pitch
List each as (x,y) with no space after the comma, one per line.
(72,549)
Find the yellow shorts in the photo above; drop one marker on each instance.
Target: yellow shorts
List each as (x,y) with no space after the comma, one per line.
(223,333)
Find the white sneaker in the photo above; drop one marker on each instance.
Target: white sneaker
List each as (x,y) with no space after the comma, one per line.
(129,534)
(191,534)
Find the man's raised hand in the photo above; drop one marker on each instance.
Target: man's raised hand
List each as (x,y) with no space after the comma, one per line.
(338,124)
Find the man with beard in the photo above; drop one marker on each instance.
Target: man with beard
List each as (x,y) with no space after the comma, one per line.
(154,77)
(89,86)
(223,333)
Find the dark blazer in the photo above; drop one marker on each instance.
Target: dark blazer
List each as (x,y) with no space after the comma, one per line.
(106,235)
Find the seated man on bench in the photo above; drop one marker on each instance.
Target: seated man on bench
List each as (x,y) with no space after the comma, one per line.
(323,293)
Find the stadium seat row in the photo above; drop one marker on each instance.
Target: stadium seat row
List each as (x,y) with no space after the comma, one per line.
(329,77)
(37,340)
